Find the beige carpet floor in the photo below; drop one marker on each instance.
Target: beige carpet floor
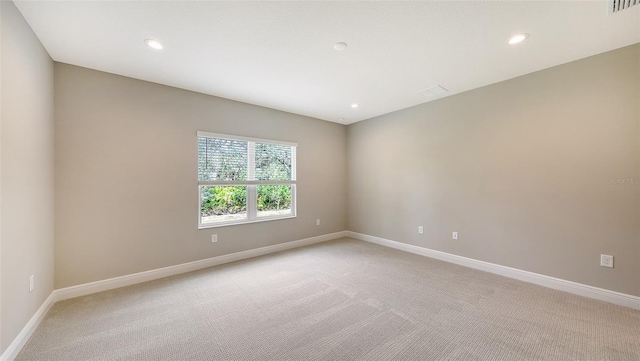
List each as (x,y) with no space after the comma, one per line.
(338,300)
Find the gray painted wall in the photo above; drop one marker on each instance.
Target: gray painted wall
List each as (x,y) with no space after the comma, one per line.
(26,181)
(126,175)
(539,173)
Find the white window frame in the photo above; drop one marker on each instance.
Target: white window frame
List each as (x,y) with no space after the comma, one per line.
(251,183)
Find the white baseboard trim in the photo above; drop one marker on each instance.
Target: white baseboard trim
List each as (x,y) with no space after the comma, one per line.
(117,282)
(601,294)
(16,346)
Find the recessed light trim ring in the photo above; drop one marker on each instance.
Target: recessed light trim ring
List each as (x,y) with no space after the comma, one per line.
(340,46)
(518,38)
(154,44)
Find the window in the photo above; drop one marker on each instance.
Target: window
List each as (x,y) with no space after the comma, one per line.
(244,180)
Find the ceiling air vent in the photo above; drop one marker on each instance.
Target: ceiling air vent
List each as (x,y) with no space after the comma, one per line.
(436,90)
(619,5)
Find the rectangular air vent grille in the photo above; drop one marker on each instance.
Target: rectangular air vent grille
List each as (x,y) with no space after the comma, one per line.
(619,5)
(434,91)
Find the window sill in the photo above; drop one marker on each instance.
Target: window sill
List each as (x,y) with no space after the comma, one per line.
(265,219)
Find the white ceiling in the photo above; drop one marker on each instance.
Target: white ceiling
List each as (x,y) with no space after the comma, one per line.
(280,54)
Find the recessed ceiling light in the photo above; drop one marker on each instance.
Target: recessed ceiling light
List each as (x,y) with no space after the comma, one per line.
(518,38)
(354,105)
(340,46)
(154,44)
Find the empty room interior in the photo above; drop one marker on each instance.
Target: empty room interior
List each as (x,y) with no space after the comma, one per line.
(311,180)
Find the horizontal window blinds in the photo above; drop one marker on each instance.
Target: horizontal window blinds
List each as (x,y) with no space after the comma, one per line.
(242,161)
(222,159)
(274,162)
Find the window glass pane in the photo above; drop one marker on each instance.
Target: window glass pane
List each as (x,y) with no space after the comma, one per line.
(222,203)
(273,162)
(274,200)
(222,159)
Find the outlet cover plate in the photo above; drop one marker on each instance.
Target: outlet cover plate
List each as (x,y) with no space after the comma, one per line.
(606,260)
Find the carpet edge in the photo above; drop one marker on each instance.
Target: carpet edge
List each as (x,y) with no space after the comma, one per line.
(18,343)
(104,285)
(618,298)
(140,277)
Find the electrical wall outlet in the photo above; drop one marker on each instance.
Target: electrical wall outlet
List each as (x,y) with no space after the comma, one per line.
(420,229)
(32,284)
(318,222)
(454,235)
(606,260)
(214,238)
